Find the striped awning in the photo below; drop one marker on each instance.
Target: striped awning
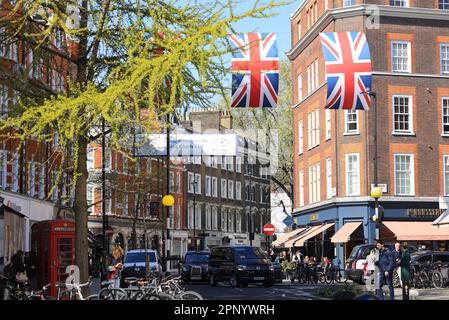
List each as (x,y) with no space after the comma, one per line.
(281,240)
(344,233)
(442,221)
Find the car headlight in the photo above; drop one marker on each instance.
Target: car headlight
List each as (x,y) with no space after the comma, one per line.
(241,268)
(271,268)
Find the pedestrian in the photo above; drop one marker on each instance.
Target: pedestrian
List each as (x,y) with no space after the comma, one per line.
(386,266)
(31,268)
(371,267)
(298,258)
(272,256)
(115,274)
(281,257)
(397,255)
(18,264)
(405,272)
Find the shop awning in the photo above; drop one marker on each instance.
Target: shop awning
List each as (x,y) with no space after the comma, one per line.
(299,240)
(416,230)
(442,221)
(281,240)
(344,233)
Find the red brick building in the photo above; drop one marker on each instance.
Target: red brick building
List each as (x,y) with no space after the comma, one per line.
(334,149)
(28,173)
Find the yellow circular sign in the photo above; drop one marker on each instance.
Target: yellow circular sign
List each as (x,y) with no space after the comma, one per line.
(168,200)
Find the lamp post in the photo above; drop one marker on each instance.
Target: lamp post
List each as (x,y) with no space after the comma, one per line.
(194,183)
(168,201)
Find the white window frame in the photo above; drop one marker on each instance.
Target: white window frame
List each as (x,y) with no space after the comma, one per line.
(446,175)
(300,137)
(347,113)
(328,124)
(15,173)
(214,218)
(317,127)
(224,219)
(3,169)
(208,217)
(357,155)
(31,181)
(238,190)
(198,183)
(190,179)
(409,56)
(412,173)
(329,178)
(443,99)
(214,187)
(309,130)
(299,87)
(446,45)
(410,115)
(230,193)
(178,182)
(238,164)
(42,182)
(223,188)
(301,188)
(208,186)
(406,3)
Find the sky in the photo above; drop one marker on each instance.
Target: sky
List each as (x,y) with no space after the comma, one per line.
(280,24)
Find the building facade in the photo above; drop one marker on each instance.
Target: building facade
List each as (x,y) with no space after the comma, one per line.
(28,169)
(334,149)
(228,198)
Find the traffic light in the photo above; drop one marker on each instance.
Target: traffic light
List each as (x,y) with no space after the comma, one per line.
(274,237)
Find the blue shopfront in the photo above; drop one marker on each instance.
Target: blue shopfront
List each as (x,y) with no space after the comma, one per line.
(333,216)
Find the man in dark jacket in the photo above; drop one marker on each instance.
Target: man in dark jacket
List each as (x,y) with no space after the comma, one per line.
(386,266)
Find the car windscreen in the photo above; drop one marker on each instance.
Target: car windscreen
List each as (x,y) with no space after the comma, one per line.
(139,257)
(243,254)
(197,258)
(354,252)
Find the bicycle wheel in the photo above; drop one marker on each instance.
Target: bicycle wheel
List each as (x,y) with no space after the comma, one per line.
(190,295)
(340,277)
(437,279)
(321,276)
(165,296)
(67,295)
(112,294)
(92,297)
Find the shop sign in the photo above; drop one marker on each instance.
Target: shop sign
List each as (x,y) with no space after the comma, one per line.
(314,217)
(414,212)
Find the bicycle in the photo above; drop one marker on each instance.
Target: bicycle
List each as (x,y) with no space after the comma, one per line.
(73,291)
(335,274)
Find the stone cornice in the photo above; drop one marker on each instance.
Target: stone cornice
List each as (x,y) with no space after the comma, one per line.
(362,10)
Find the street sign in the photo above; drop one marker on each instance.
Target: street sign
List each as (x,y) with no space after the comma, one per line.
(109,231)
(288,221)
(269,229)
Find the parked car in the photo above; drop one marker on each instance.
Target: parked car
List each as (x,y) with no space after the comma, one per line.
(195,266)
(278,274)
(240,266)
(134,264)
(431,257)
(355,264)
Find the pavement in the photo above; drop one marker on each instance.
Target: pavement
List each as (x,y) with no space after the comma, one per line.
(284,291)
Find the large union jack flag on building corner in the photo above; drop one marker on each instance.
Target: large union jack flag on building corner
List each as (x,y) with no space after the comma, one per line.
(255,63)
(348,70)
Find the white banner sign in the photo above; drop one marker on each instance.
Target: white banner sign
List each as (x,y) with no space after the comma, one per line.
(187,145)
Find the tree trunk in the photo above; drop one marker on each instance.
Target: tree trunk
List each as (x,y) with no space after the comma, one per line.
(80,208)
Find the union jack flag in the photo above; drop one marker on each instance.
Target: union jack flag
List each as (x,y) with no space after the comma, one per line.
(255,62)
(348,70)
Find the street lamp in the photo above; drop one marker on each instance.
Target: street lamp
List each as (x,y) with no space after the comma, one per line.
(168,201)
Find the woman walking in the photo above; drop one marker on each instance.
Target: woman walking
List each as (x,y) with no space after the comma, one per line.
(405,271)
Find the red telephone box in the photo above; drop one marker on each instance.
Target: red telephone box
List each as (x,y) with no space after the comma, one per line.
(54,243)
